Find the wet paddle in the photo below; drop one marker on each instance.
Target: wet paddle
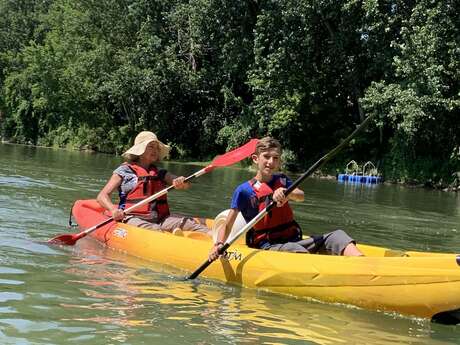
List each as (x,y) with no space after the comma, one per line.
(223,160)
(294,185)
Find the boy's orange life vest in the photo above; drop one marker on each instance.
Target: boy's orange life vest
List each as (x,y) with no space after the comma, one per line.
(148,183)
(278,226)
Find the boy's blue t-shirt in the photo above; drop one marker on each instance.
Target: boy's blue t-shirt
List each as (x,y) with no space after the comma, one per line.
(245,199)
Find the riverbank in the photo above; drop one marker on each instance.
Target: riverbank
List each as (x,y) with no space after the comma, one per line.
(453,186)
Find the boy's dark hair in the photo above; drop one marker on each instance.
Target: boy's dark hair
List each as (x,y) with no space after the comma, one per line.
(266,144)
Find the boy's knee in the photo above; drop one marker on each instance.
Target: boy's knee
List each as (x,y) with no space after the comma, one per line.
(340,236)
(337,241)
(339,233)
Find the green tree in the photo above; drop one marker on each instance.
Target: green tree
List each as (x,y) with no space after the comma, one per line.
(420,99)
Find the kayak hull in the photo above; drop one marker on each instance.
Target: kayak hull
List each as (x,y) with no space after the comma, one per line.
(412,283)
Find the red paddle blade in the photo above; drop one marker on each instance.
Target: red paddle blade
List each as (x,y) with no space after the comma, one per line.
(66,239)
(236,155)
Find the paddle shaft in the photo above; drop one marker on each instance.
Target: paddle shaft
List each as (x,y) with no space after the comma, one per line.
(272,204)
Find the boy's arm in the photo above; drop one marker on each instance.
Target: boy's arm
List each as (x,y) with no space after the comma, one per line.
(280,198)
(297,195)
(224,229)
(222,233)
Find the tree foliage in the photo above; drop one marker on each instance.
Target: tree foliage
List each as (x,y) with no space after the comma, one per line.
(208,75)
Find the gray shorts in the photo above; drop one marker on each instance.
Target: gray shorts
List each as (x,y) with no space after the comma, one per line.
(331,243)
(169,224)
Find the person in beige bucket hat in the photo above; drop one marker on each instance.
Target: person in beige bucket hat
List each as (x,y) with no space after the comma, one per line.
(137,179)
(141,142)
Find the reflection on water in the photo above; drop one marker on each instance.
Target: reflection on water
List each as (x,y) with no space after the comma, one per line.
(116,291)
(89,295)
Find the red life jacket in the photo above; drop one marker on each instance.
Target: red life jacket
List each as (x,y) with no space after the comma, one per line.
(148,183)
(278,226)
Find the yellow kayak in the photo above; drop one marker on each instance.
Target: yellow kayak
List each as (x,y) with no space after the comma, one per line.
(421,284)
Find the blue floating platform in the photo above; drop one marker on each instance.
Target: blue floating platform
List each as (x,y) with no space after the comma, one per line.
(365,179)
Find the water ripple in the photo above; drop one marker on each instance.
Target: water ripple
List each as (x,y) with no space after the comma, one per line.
(91,295)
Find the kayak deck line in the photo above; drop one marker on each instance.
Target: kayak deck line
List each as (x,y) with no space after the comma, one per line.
(421,284)
(300,279)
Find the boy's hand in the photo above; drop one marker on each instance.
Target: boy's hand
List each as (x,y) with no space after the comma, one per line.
(214,253)
(279,197)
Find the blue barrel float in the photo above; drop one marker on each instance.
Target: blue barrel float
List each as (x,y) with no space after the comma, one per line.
(353,174)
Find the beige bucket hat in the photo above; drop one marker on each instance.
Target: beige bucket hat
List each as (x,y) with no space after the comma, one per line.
(141,142)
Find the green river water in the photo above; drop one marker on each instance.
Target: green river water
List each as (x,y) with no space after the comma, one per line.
(87,294)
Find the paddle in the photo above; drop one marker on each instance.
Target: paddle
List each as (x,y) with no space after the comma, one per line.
(270,206)
(226,159)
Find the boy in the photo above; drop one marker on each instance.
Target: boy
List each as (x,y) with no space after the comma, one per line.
(278,229)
